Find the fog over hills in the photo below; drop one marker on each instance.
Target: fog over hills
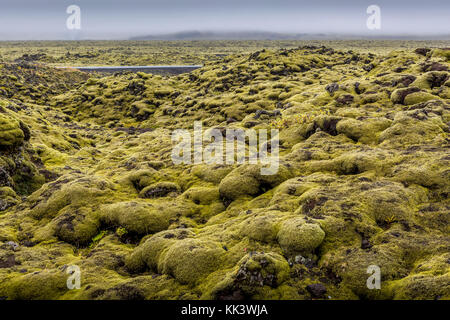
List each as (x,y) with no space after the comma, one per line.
(213,19)
(262,35)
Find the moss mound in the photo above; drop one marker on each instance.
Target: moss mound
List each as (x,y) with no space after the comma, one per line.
(190,260)
(297,237)
(138,217)
(11,133)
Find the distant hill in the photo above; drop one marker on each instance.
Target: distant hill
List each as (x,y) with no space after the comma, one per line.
(263,35)
(209,35)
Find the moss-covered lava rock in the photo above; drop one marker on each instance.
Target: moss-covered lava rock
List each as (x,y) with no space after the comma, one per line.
(87,177)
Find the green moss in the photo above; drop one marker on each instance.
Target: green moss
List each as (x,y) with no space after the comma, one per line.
(54,196)
(255,275)
(390,202)
(423,176)
(11,133)
(350,163)
(432,79)
(190,260)
(286,195)
(147,254)
(297,237)
(8,198)
(203,195)
(399,95)
(138,217)
(352,268)
(27,178)
(248,180)
(43,285)
(444,53)
(260,228)
(417,97)
(422,287)
(407,129)
(159,189)
(76,225)
(366,131)
(234,186)
(142,178)
(363,175)
(337,233)
(430,280)
(7,192)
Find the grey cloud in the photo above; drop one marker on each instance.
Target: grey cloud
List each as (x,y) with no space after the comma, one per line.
(46,19)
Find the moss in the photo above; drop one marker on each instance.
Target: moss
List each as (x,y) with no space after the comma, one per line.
(141,111)
(406,129)
(26,178)
(76,225)
(433,216)
(159,189)
(190,260)
(422,287)
(337,233)
(255,276)
(286,195)
(417,97)
(7,192)
(390,202)
(399,95)
(203,195)
(43,285)
(326,123)
(91,82)
(373,97)
(142,178)
(147,254)
(432,79)
(138,217)
(363,175)
(444,53)
(366,131)
(350,163)
(423,176)
(8,198)
(107,254)
(248,180)
(430,280)
(11,133)
(352,268)
(234,186)
(260,228)
(297,237)
(54,196)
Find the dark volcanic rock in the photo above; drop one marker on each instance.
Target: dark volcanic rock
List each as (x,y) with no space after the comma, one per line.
(332,87)
(317,290)
(422,51)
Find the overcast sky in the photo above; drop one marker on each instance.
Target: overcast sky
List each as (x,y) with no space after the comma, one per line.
(109,19)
